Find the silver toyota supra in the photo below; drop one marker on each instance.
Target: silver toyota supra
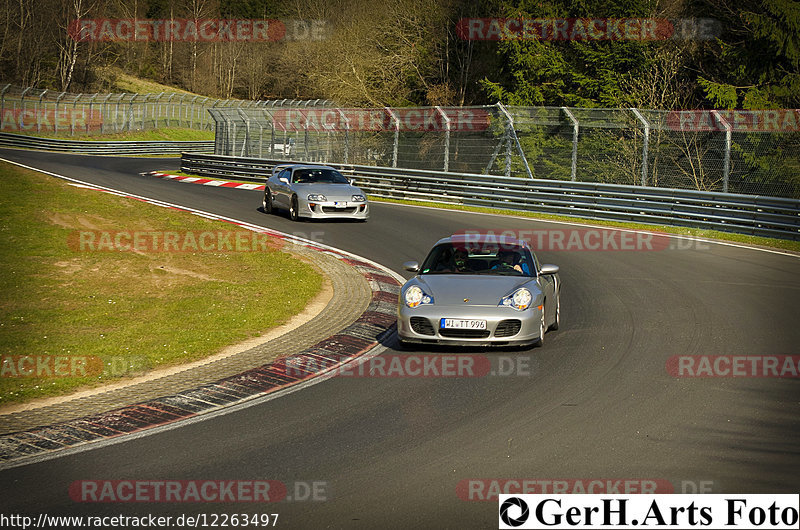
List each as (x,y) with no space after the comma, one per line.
(314,191)
(479,290)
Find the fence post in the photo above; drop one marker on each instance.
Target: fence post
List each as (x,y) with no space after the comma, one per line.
(513,132)
(38,111)
(246,141)
(180,107)
(104,113)
(575,133)
(170,109)
(144,110)
(446,138)
(22,109)
(726,161)
(130,117)
(190,111)
(72,118)
(396,135)
(91,111)
(645,144)
(3,99)
(346,134)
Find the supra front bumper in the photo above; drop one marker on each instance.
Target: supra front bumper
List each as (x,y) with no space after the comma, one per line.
(501,323)
(330,210)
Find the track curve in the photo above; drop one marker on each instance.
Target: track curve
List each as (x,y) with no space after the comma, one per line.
(599,404)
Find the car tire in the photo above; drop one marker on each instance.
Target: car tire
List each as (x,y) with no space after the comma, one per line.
(268,207)
(293,209)
(542,328)
(557,321)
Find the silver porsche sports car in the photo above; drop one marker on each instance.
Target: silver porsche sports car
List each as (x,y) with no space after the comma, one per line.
(479,290)
(314,191)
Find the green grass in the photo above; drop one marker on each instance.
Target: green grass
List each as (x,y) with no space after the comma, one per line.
(132,310)
(160,134)
(122,82)
(782,244)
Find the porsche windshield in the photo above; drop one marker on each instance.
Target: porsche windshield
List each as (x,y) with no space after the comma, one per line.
(505,260)
(318,175)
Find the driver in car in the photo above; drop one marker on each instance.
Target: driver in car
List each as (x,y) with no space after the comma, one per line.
(509,260)
(456,262)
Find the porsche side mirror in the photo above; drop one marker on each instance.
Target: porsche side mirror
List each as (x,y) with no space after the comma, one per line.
(549,269)
(411,266)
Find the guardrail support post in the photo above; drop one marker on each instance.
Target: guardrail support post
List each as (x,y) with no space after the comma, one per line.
(575,133)
(645,143)
(726,161)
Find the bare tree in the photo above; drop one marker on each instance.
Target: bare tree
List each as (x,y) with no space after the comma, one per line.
(68,46)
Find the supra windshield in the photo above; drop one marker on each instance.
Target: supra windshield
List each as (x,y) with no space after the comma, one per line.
(324,176)
(502,260)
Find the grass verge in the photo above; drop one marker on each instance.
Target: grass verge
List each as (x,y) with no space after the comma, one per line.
(124,312)
(781,244)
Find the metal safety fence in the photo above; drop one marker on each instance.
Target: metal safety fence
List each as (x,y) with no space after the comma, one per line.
(28,110)
(749,214)
(749,152)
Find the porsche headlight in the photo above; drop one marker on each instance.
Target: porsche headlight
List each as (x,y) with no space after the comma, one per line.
(358,198)
(317,197)
(519,299)
(415,296)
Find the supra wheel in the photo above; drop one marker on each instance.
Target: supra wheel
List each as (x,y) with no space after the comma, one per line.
(542,328)
(557,321)
(268,207)
(293,209)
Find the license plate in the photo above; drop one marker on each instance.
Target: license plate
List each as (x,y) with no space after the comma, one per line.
(457,323)
(340,205)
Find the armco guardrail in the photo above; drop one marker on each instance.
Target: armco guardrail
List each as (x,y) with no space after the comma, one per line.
(104,148)
(750,214)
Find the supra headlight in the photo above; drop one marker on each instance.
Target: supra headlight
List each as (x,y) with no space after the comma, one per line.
(415,296)
(358,198)
(317,197)
(519,299)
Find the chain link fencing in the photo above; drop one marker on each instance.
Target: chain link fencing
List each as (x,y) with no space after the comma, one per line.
(28,110)
(747,152)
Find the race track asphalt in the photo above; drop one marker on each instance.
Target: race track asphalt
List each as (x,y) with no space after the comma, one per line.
(599,403)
